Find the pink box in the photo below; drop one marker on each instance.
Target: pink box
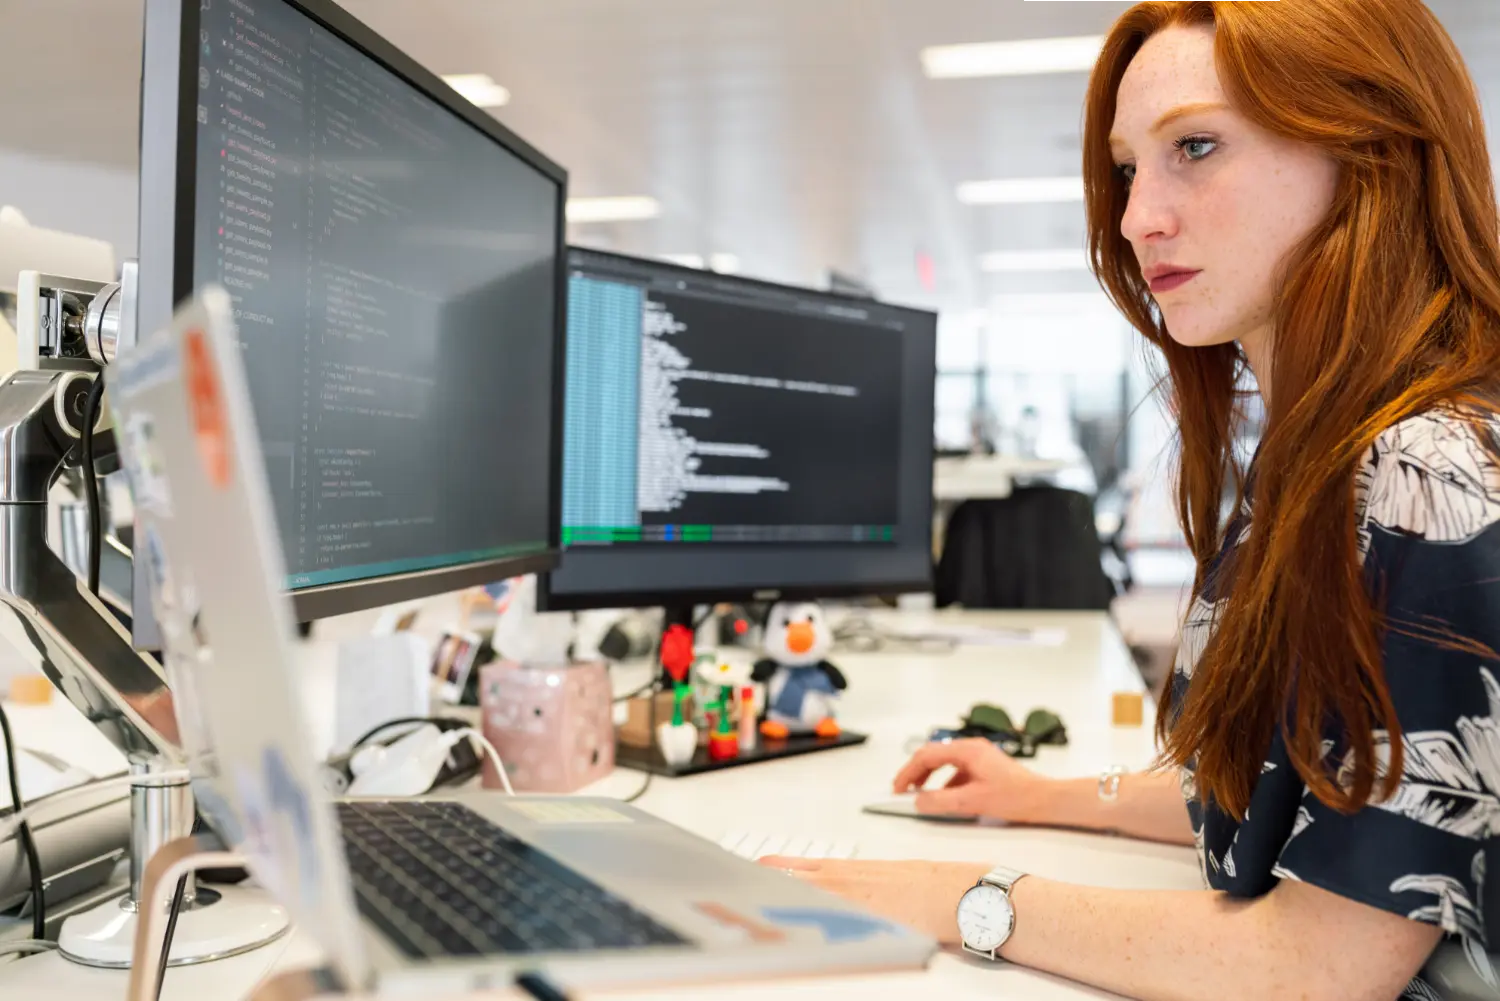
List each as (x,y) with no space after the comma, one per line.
(553,726)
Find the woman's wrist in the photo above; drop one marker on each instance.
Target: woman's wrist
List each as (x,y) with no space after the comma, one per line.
(1065,803)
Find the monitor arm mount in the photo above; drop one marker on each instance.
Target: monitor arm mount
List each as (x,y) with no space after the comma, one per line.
(69,331)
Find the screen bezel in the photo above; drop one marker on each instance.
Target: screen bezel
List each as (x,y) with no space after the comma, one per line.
(168,149)
(549,600)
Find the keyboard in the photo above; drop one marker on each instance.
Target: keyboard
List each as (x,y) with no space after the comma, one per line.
(440,880)
(753,846)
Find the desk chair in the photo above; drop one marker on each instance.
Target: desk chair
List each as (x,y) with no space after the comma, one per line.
(1036,549)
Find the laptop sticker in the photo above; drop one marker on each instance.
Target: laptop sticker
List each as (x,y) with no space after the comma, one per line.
(561,812)
(754,931)
(143,466)
(206,399)
(835,926)
(278,831)
(256,818)
(292,815)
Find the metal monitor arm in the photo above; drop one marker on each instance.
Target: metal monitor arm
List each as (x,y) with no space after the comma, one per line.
(69,332)
(47,613)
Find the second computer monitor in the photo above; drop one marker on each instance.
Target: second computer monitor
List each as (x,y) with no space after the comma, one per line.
(731,439)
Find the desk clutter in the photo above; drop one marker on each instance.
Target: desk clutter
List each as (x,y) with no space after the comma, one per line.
(711,717)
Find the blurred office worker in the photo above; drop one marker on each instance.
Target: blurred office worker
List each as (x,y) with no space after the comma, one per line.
(1298,192)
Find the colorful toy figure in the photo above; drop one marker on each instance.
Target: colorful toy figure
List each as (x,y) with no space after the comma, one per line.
(802,688)
(723,739)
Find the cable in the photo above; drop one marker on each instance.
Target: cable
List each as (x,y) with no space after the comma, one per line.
(166,942)
(28,843)
(91,481)
(26,947)
(637,693)
(400,721)
(489,749)
(18,819)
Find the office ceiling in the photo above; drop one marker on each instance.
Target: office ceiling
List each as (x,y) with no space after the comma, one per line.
(798,135)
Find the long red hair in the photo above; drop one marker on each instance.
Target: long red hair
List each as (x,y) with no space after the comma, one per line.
(1390,308)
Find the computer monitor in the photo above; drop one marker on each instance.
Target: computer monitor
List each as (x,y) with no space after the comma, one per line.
(395,257)
(728,439)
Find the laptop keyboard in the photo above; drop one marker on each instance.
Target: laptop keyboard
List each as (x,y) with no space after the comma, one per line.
(440,880)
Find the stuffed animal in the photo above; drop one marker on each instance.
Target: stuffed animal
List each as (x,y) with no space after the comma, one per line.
(801,686)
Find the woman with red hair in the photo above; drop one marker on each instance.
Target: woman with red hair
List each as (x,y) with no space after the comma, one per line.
(1298,192)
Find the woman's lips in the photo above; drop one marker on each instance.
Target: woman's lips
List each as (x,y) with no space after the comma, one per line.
(1171,280)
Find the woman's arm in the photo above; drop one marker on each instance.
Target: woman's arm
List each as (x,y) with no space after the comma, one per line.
(1148,805)
(988,783)
(1295,942)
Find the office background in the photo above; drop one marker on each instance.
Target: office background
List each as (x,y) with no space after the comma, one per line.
(781,139)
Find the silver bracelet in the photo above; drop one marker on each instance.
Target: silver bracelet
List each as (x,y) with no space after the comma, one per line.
(1109,783)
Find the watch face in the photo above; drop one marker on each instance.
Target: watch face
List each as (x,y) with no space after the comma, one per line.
(985,918)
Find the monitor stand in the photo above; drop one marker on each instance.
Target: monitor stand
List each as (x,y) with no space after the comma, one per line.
(649,759)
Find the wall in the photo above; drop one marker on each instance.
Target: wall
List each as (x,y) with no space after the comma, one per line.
(74,197)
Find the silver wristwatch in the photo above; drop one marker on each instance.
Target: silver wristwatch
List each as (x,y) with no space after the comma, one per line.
(986,916)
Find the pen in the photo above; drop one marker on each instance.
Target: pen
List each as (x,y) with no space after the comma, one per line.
(537,986)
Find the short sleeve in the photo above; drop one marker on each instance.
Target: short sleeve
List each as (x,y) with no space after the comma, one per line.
(1430,529)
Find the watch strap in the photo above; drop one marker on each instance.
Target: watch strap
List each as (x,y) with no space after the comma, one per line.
(1002,878)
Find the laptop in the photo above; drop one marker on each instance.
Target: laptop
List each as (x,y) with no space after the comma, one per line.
(446,893)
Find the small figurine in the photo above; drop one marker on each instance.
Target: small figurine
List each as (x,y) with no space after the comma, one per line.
(801,686)
(748,732)
(723,740)
(677,740)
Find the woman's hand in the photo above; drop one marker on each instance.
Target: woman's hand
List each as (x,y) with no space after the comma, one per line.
(923,896)
(986,783)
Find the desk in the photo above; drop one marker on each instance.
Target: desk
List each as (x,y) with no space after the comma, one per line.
(894,696)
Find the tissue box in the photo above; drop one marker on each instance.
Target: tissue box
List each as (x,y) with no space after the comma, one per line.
(553,726)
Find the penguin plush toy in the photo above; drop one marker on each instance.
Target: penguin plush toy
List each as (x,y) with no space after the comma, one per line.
(801,686)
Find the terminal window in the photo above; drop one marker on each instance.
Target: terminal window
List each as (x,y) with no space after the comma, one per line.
(708,410)
(393,272)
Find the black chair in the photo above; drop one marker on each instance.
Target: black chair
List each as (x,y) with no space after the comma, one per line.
(1036,549)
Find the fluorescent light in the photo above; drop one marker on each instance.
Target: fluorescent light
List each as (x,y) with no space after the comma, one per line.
(1021,261)
(1021,190)
(627,208)
(478,89)
(1023,58)
(684,260)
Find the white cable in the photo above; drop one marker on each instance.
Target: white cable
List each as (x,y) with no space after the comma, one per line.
(26,947)
(489,749)
(12,824)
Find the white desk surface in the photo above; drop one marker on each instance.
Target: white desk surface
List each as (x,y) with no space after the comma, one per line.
(894,696)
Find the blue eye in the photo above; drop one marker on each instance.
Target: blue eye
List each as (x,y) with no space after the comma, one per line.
(1127,171)
(1196,147)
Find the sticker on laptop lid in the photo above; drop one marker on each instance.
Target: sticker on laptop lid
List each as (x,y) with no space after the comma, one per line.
(143,465)
(834,926)
(206,399)
(742,927)
(544,811)
(279,841)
